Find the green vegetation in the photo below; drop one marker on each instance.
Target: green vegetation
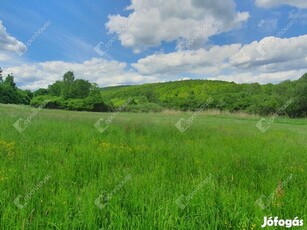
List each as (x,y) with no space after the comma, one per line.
(71,94)
(81,95)
(224,163)
(10,94)
(229,96)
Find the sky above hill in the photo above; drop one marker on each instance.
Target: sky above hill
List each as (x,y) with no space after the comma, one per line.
(123,42)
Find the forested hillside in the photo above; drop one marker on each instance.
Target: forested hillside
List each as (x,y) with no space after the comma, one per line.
(192,94)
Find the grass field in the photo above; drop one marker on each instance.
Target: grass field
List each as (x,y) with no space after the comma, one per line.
(143,173)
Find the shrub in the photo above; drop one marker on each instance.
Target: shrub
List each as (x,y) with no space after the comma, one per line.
(144,108)
(48,102)
(77,104)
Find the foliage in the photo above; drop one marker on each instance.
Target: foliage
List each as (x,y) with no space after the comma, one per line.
(229,96)
(10,94)
(79,94)
(143,108)
(50,102)
(71,94)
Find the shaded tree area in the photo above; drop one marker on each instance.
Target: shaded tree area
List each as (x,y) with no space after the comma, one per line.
(10,94)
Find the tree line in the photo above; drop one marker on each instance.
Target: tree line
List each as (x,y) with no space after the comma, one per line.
(70,93)
(80,94)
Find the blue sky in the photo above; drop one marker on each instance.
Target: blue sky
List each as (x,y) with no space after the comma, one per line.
(153,40)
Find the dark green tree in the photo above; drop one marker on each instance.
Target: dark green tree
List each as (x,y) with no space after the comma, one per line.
(68,80)
(299,106)
(56,88)
(69,77)
(81,89)
(9,81)
(1,79)
(40,92)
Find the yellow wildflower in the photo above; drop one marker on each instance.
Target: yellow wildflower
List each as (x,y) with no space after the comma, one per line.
(7,149)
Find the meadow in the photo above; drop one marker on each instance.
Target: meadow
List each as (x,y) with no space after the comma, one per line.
(60,172)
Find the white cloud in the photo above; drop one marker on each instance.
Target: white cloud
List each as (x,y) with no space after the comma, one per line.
(154,21)
(4,57)
(7,42)
(276,3)
(282,54)
(199,61)
(285,59)
(103,72)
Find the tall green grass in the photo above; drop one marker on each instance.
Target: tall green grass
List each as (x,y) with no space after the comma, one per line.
(162,165)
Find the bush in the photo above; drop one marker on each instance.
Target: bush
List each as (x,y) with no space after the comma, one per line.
(48,102)
(144,108)
(88,104)
(77,104)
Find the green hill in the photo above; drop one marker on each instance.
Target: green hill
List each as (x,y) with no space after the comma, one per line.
(194,94)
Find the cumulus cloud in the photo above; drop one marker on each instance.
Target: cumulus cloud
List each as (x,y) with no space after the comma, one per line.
(152,22)
(281,54)
(103,72)
(285,58)
(199,61)
(276,3)
(7,42)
